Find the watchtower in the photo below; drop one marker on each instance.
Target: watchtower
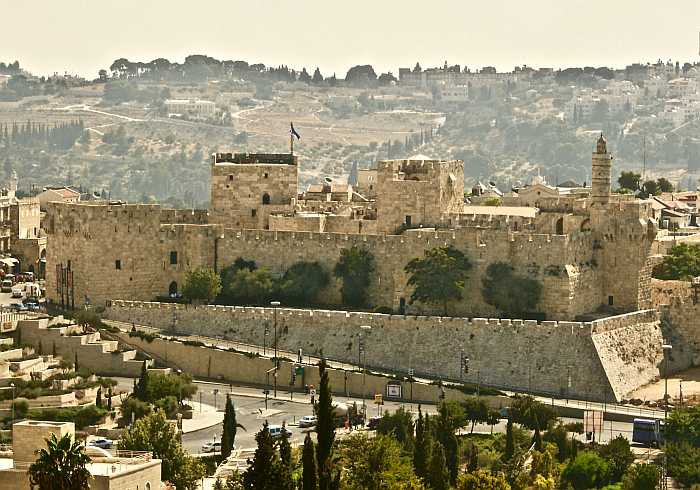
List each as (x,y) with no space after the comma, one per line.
(601,174)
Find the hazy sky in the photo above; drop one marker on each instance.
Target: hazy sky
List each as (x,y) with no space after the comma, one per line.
(82,36)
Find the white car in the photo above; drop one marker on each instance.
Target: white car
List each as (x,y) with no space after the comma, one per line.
(17,291)
(211,447)
(307,421)
(276,431)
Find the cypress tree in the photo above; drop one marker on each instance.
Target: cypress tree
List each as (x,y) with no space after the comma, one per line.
(141,390)
(98,399)
(53,349)
(283,471)
(75,366)
(537,439)
(325,428)
(421,449)
(308,462)
(109,399)
(228,437)
(510,441)
(259,476)
(439,476)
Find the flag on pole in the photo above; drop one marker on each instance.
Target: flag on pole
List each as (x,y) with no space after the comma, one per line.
(293,132)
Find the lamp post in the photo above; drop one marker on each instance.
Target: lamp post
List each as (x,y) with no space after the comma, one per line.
(666,350)
(12,385)
(365,328)
(265,334)
(274,305)
(216,392)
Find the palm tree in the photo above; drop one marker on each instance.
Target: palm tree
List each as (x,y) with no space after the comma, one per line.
(61,466)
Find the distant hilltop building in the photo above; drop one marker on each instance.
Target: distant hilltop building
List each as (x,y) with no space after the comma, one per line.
(453,76)
(191,107)
(589,248)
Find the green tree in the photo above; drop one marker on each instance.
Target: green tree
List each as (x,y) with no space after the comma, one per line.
(88,318)
(450,417)
(202,285)
(649,188)
(325,430)
(308,461)
(619,455)
(641,477)
(664,185)
(511,294)
(376,464)
(155,434)
(248,286)
(439,276)
(422,446)
(629,180)
(531,413)
(61,466)
(510,441)
(141,391)
(400,426)
(681,263)
(302,282)
(476,410)
(438,474)
(260,474)
(354,268)
(231,426)
(284,480)
(482,480)
(683,461)
(588,470)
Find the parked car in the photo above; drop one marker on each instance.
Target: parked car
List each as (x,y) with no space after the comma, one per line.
(307,421)
(19,307)
(17,291)
(103,443)
(6,286)
(277,431)
(211,447)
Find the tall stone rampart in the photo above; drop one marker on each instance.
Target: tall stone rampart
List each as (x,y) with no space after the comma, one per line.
(525,355)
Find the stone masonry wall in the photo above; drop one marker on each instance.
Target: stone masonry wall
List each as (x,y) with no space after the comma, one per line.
(503,353)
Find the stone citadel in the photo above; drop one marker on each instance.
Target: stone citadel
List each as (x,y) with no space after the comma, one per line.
(589,250)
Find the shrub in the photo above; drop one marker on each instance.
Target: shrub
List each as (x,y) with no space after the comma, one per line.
(133,405)
(588,470)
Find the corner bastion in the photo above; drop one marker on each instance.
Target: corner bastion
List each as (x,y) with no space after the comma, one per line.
(602,360)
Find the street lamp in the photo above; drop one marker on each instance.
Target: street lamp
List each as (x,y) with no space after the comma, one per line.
(216,392)
(367,329)
(265,334)
(666,349)
(12,385)
(274,305)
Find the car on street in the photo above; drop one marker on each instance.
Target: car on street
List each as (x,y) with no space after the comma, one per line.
(307,421)
(19,307)
(6,286)
(102,442)
(211,447)
(277,431)
(17,291)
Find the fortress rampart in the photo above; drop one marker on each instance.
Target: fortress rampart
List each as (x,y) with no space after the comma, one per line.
(605,359)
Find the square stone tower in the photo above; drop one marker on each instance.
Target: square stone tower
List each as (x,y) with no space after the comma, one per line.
(247,187)
(417,192)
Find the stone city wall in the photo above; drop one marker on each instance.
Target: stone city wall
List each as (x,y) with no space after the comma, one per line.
(503,353)
(680,311)
(124,252)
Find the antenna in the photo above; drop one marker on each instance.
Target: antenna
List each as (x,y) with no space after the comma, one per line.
(644,157)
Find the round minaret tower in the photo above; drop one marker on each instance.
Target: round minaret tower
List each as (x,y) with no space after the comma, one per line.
(601,173)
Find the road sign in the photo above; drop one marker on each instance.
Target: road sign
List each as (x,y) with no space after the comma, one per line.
(312,392)
(410,372)
(299,370)
(378,399)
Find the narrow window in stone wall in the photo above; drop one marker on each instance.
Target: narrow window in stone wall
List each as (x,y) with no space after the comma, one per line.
(253,212)
(173,258)
(610,300)
(118,264)
(230,178)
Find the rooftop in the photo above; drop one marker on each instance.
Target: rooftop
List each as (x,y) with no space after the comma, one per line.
(255,158)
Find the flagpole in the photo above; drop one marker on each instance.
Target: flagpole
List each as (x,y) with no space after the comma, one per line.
(291,143)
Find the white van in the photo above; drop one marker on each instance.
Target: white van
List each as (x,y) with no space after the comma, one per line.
(17,291)
(277,431)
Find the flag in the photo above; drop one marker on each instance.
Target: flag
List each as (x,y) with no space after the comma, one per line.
(293,132)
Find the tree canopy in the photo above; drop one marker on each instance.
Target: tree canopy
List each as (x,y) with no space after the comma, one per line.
(439,276)
(302,282)
(62,465)
(202,285)
(354,268)
(510,293)
(681,263)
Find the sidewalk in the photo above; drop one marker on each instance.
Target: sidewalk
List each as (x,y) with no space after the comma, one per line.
(203,416)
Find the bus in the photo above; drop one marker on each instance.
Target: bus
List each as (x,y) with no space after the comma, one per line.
(649,432)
